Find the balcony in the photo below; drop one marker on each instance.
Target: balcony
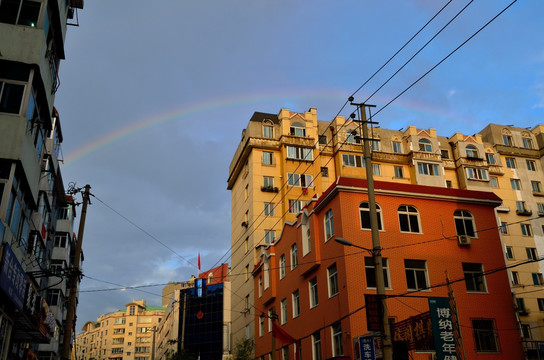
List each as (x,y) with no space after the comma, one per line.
(269,189)
(524,212)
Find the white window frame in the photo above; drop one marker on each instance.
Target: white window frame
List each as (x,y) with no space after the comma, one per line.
(337,342)
(268,209)
(412,270)
(425,145)
(531,165)
(329,225)
(526,229)
(490,158)
(370,272)
(282,266)
(397,147)
(429,169)
(409,212)
(268,158)
(313,291)
(352,160)
(300,153)
(364,208)
(471,151)
(332,276)
(269,236)
(464,223)
(299,180)
(477,174)
(536,186)
(494,181)
(399,172)
(283,311)
(474,277)
(294,256)
(297,129)
(295,297)
(316,346)
(295,206)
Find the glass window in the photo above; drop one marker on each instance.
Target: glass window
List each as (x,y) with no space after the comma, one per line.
(538,279)
(370,272)
(324,171)
(329,225)
(464,223)
(353,160)
(485,335)
(526,230)
(269,236)
(540,208)
(268,209)
(353,137)
(444,154)
(531,165)
(261,325)
(294,258)
(333,280)
(268,158)
(268,182)
(540,304)
(323,140)
(297,130)
(25,12)
(316,346)
(531,253)
(510,163)
(408,219)
(509,253)
(416,274)
(300,153)
(11,96)
(490,158)
(474,277)
(494,182)
(294,206)
(283,311)
(375,145)
(536,186)
(301,180)
(428,169)
(425,145)
(364,210)
(527,143)
(515,184)
(397,147)
(268,130)
(282,266)
(296,303)
(477,174)
(515,278)
(399,173)
(376,169)
(337,344)
(472,152)
(314,300)
(507,140)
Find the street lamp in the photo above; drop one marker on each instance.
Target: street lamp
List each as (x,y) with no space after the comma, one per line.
(349,243)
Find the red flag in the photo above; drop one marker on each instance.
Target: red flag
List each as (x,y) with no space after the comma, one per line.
(198,261)
(282,335)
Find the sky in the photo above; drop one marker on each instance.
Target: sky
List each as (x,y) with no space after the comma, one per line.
(154,96)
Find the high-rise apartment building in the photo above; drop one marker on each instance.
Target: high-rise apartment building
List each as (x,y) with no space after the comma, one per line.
(285,159)
(36,216)
(125,334)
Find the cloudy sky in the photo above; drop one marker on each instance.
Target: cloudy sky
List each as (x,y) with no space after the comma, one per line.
(154,97)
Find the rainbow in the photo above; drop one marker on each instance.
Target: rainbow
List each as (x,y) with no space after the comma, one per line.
(288,100)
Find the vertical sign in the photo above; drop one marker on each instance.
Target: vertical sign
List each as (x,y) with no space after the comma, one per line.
(13,278)
(444,340)
(373,313)
(366,345)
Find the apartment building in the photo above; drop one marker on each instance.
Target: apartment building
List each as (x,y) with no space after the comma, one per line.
(314,288)
(285,159)
(125,334)
(32,193)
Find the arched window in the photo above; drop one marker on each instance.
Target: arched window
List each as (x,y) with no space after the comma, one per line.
(352,136)
(464,223)
(507,138)
(297,129)
(408,219)
(364,210)
(472,151)
(329,225)
(425,145)
(527,141)
(268,129)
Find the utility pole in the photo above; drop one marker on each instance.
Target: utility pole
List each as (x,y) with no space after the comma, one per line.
(376,247)
(74,280)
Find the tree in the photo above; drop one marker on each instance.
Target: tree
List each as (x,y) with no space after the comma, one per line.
(243,350)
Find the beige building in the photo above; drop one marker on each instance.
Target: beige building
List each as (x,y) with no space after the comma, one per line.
(284,159)
(125,334)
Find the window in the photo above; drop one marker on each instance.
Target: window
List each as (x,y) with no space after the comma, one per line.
(314,300)
(507,139)
(515,278)
(270,315)
(370,272)
(472,152)
(337,344)
(510,163)
(285,353)
(332,274)
(399,173)
(296,303)
(477,174)
(353,160)
(527,143)
(269,236)
(540,304)
(536,186)
(268,209)
(531,165)
(19,12)
(531,253)
(268,129)
(61,240)
(364,210)
(297,130)
(283,311)
(316,346)
(416,274)
(247,272)
(427,169)
(119,331)
(494,182)
(246,303)
(485,335)
(323,140)
(537,279)
(300,153)
(329,225)
(425,145)
(474,277)
(261,325)
(375,144)
(282,266)
(376,169)
(525,331)
(449,184)
(520,206)
(294,259)
(246,244)
(490,158)
(526,230)
(520,305)
(353,137)
(301,180)
(397,147)
(54,297)
(142,349)
(268,158)
(132,310)
(294,206)
(509,253)
(260,286)
(324,171)
(268,182)
(444,154)
(408,219)
(516,184)
(540,208)
(464,223)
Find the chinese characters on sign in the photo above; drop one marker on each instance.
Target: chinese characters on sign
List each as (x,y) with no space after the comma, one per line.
(442,328)
(367,347)
(373,313)
(13,278)
(416,331)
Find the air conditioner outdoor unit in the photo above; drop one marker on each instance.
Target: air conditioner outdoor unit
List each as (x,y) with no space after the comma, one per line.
(463,240)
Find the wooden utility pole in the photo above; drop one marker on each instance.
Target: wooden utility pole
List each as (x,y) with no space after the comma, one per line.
(74,280)
(376,247)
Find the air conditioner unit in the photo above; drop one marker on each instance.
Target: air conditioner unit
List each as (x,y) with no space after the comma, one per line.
(463,240)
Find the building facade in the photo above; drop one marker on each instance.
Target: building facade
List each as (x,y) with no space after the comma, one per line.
(285,159)
(126,334)
(314,288)
(32,193)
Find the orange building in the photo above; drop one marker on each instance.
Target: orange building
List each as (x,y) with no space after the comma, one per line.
(316,286)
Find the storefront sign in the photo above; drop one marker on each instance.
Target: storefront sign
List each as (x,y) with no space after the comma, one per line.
(442,328)
(373,313)
(13,278)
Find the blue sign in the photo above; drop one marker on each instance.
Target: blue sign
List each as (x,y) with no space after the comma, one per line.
(366,344)
(13,278)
